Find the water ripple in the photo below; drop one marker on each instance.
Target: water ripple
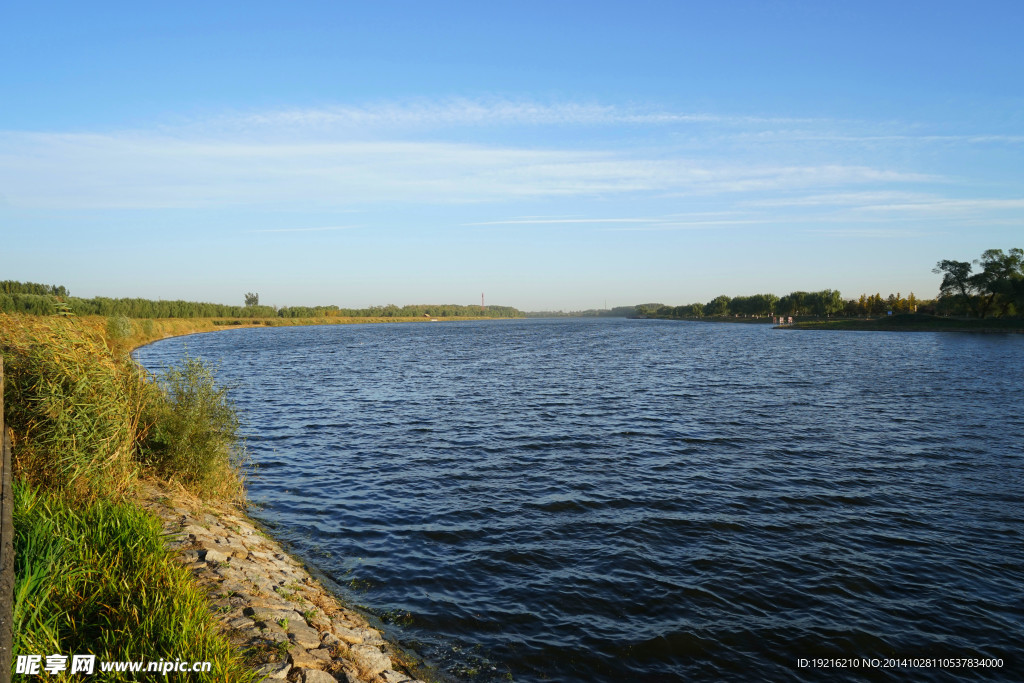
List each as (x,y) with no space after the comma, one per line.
(600,500)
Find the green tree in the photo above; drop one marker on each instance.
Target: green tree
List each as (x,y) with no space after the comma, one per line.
(252,299)
(957,280)
(718,306)
(996,282)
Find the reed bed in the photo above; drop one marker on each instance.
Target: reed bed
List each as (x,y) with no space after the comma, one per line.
(92,575)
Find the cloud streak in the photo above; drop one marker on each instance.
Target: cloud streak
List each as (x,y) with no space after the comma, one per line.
(151,171)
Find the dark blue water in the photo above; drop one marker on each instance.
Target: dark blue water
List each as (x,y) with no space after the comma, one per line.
(618,500)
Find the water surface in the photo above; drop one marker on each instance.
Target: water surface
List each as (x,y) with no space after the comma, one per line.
(619,500)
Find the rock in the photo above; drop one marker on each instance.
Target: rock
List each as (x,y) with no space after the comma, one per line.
(394,677)
(317,676)
(348,635)
(275,672)
(215,556)
(189,556)
(303,635)
(194,532)
(300,657)
(370,660)
(241,622)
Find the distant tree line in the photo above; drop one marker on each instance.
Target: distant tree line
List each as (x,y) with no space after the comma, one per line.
(31,298)
(828,302)
(996,289)
(13,287)
(393,311)
(617,312)
(825,302)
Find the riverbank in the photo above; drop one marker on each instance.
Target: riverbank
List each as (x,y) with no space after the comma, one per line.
(267,603)
(129,554)
(913,323)
(907,322)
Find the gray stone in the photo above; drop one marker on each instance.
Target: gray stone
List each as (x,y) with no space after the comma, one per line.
(370,636)
(195,532)
(348,635)
(241,622)
(370,660)
(273,614)
(275,636)
(394,677)
(304,635)
(189,556)
(275,672)
(300,657)
(215,556)
(317,676)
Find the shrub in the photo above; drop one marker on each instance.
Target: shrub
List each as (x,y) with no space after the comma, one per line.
(193,437)
(119,327)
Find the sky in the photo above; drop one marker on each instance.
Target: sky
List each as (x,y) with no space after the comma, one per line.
(551,155)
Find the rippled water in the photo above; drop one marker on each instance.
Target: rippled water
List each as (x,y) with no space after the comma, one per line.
(618,500)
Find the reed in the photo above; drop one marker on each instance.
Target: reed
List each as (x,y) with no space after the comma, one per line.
(92,572)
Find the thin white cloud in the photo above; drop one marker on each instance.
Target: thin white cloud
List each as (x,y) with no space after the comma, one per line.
(559,221)
(839,199)
(482,112)
(949,205)
(328,228)
(873,233)
(149,171)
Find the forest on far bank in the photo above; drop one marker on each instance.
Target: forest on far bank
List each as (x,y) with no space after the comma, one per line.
(990,286)
(39,299)
(996,289)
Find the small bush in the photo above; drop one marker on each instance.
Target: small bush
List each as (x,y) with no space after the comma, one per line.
(193,437)
(119,327)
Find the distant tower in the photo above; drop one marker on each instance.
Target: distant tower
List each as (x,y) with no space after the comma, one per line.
(481,301)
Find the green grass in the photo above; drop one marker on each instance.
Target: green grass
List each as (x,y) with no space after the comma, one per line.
(97,579)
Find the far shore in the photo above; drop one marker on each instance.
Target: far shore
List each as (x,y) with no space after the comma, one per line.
(906,322)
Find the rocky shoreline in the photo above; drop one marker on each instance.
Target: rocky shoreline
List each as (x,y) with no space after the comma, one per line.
(267,603)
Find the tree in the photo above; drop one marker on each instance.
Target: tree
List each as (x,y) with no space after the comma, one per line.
(252,299)
(956,279)
(996,281)
(718,306)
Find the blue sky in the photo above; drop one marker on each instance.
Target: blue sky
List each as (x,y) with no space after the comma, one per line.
(554,155)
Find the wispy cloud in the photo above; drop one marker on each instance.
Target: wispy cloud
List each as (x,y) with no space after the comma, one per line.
(561,221)
(483,112)
(137,170)
(329,228)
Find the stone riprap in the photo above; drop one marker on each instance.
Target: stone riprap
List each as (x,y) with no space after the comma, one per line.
(268,604)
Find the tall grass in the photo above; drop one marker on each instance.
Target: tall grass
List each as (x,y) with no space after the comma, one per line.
(75,408)
(92,574)
(97,579)
(87,420)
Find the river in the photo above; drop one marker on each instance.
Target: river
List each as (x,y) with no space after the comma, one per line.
(625,500)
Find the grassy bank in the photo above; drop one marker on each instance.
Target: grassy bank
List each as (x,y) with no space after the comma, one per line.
(914,323)
(92,575)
